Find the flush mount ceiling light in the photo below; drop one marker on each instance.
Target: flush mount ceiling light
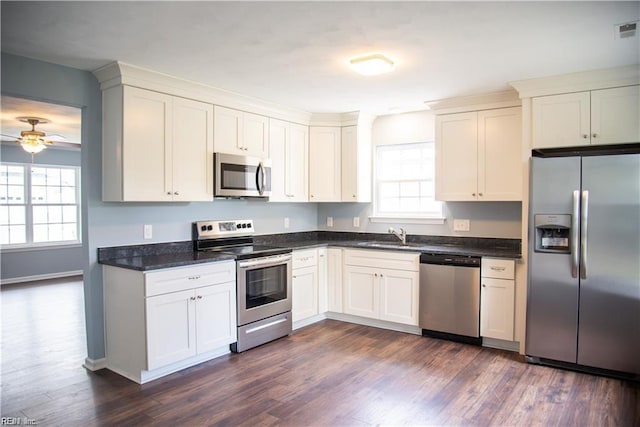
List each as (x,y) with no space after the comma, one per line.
(371,64)
(32,141)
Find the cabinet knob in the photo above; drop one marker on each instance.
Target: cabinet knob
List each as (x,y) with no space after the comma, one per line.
(585,136)
(199,296)
(473,194)
(484,286)
(595,135)
(168,193)
(354,196)
(480,194)
(192,298)
(176,193)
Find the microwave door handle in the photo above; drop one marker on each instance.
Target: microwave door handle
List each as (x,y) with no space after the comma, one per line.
(260,179)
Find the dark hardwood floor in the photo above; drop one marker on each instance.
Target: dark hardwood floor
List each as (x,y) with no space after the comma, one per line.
(330,373)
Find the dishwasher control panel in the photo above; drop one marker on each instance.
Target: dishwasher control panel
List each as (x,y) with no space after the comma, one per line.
(441,259)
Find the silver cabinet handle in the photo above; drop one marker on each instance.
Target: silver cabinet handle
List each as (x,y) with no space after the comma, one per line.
(494,268)
(574,234)
(194,277)
(583,237)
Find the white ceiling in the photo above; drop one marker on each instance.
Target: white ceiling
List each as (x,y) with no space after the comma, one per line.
(294,53)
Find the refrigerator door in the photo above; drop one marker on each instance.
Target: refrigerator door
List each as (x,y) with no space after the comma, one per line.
(552,301)
(609,329)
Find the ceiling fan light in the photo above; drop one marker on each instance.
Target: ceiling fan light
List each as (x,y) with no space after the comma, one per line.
(32,146)
(372,64)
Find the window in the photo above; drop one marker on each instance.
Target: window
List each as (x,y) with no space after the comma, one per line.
(405,181)
(39,205)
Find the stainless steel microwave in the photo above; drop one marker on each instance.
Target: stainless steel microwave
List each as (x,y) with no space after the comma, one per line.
(241,176)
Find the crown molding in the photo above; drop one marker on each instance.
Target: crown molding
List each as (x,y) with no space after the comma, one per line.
(578,82)
(482,101)
(119,73)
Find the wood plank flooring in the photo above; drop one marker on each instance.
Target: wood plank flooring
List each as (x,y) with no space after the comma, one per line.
(330,373)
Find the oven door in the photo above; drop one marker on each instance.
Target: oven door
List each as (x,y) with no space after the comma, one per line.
(264,287)
(241,176)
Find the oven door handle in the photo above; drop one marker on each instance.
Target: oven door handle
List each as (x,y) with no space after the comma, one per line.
(264,262)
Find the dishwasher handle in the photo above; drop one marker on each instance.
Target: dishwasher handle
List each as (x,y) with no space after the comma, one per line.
(453,260)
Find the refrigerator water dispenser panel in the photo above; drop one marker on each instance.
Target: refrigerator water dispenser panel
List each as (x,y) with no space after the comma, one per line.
(553,233)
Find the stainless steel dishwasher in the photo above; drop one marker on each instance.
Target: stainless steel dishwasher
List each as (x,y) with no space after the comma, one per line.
(450,297)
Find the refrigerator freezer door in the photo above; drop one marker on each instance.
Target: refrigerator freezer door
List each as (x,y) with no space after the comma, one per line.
(609,331)
(552,301)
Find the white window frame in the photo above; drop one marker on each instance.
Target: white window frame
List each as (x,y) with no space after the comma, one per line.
(436,217)
(28,203)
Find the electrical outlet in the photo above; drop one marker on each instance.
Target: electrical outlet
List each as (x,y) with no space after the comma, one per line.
(147,231)
(286,223)
(460,225)
(356,221)
(329,221)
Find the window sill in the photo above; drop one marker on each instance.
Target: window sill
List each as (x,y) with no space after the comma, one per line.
(41,247)
(407,220)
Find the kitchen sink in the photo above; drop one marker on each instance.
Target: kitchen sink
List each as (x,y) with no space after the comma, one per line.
(390,245)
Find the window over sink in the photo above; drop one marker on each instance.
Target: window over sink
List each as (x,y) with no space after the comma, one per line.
(404,183)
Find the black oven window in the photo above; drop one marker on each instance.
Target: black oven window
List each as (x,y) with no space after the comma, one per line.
(266,285)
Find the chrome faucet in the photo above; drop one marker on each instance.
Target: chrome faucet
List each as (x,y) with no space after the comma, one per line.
(402,235)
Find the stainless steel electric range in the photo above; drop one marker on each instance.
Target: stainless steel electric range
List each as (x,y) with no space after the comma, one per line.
(263,280)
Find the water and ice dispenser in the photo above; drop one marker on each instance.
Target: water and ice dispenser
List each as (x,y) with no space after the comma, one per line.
(553,233)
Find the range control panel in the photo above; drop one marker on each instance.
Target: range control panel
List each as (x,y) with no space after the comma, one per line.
(227,228)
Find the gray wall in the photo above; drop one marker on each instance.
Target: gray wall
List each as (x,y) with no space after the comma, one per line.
(29,263)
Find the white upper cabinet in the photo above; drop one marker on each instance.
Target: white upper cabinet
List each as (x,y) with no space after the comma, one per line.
(241,133)
(604,116)
(479,155)
(156,147)
(289,148)
(325,150)
(356,164)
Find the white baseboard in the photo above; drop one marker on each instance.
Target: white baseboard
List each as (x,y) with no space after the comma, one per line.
(95,365)
(36,277)
(308,321)
(399,327)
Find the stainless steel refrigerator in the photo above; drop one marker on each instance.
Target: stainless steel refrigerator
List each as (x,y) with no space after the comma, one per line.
(583,301)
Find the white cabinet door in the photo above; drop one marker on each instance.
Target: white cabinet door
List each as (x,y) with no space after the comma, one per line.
(399,296)
(289,148)
(561,120)
(334,280)
(146,147)
(324,164)
(500,154)
(361,292)
(255,136)
(457,156)
(278,135)
(304,293)
(215,316)
(322,280)
(227,131)
(615,115)
(349,168)
(171,328)
(497,308)
(192,150)
(297,163)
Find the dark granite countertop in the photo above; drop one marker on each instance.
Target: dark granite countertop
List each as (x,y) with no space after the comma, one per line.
(177,254)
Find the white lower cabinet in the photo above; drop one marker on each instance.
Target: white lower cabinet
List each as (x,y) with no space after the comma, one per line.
(497,299)
(334,280)
(165,320)
(305,284)
(381,285)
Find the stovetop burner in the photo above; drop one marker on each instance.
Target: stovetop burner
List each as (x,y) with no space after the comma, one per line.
(231,237)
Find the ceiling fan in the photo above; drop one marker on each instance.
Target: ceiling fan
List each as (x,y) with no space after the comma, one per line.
(34,141)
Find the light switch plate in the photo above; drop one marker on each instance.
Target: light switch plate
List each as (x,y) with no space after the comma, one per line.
(329,221)
(356,221)
(460,225)
(147,231)
(286,223)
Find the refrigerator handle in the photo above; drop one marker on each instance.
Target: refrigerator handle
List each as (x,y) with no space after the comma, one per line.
(574,233)
(583,234)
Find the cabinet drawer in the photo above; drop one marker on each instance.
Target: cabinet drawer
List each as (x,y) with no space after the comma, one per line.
(382,259)
(182,278)
(498,268)
(305,258)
